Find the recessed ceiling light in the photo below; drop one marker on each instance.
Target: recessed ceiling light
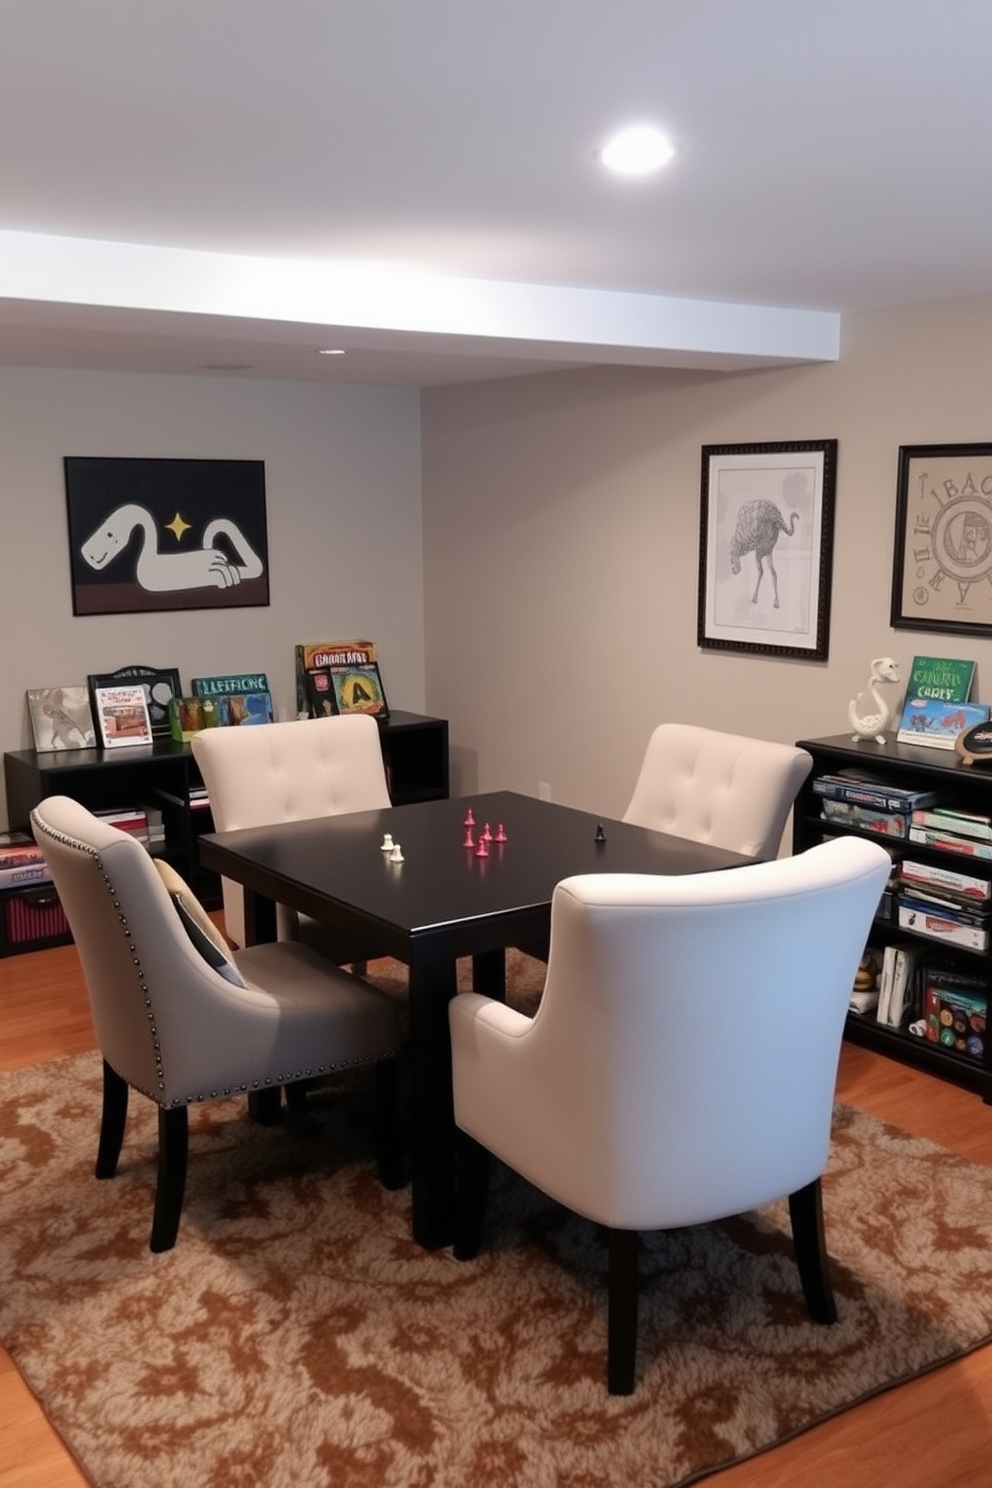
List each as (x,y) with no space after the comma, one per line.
(637,151)
(331,351)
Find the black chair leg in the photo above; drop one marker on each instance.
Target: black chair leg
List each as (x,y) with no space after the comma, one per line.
(621,1348)
(809,1239)
(112,1122)
(472,1163)
(388,1129)
(296,1096)
(265,1106)
(173,1148)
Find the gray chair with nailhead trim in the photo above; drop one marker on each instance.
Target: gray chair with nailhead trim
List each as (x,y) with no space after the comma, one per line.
(180,1018)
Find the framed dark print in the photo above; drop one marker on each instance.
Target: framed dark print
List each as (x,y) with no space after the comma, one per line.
(160,684)
(166,534)
(766,547)
(942,569)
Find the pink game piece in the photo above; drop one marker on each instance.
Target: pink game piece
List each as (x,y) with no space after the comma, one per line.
(487,836)
(482,851)
(469,819)
(469,839)
(500,833)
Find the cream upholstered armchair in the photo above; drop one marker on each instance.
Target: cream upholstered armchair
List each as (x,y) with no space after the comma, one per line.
(681,1066)
(180,1020)
(281,772)
(726,789)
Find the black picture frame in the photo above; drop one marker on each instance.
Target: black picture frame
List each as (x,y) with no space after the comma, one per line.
(147,535)
(160,684)
(742,604)
(942,561)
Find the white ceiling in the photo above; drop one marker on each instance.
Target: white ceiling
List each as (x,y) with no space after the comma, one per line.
(192,184)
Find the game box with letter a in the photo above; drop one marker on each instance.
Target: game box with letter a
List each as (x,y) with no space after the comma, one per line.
(31,918)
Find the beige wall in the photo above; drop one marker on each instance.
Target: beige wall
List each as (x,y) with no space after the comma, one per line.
(561,521)
(556,552)
(342,469)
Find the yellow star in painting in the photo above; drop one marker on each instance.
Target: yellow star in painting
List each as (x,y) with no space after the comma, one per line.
(178,526)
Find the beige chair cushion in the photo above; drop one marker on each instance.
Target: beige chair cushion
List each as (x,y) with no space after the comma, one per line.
(200,928)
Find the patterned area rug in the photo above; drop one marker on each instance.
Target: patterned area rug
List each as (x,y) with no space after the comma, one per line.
(296,1335)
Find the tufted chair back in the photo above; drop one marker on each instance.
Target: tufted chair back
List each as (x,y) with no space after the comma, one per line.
(726,789)
(280,772)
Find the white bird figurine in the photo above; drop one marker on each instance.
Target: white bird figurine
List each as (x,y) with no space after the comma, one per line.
(873,725)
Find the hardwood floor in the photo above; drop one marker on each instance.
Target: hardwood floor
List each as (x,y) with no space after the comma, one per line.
(935,1432)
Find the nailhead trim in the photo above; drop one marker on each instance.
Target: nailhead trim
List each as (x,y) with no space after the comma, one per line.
(283,1079)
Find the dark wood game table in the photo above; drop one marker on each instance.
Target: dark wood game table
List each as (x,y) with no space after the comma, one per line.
(442,902)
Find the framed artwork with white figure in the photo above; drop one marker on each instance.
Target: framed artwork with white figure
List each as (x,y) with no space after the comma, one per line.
(166,534)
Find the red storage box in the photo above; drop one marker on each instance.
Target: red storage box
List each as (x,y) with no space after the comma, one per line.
(31,918)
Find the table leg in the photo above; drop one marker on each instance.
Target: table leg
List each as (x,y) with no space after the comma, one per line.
(264,1106)
(260,918)
(432,986)
(489,974)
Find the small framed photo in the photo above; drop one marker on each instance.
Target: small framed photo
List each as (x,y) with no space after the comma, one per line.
(358,689)
(161,685)
(766,547)
(942,566)
(122,716)
(61,718)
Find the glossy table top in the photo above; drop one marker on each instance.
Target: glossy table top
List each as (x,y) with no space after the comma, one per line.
(442,894)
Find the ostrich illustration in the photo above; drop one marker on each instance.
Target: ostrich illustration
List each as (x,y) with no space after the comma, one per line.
(758,526)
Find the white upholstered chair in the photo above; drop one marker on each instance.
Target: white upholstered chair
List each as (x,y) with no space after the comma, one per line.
(180,1019)
(726,789)
(681,1066)
(282,772)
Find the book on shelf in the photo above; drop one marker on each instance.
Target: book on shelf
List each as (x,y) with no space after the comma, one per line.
(965,911)
(937,724)
(189,716)
(968,847)
(865,818)
(122,716)
(968,885)
(237,682)
(323,654)
(347,689)
(948,679)
(899,968)
(61,718)
(862,789)
(938,923)
(19,850)
(958,823)
(956,1014)
(17,875)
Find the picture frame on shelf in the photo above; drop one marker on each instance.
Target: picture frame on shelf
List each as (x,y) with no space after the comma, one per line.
(147,534)
(942,561)
(766,547)
(161,684)
(61,718)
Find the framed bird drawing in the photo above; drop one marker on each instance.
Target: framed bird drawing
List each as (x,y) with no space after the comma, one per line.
(766,547)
